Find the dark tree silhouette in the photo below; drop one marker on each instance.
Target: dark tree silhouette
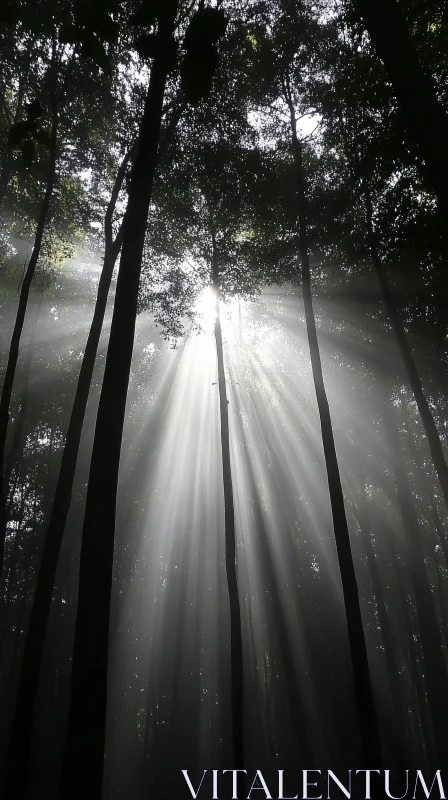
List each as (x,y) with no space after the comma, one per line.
(426,118)
(429,425)
(17,775)
(236,638)
(365,702)
(83,762)
(13,356)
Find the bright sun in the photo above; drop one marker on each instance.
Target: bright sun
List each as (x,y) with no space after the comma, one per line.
(205,308)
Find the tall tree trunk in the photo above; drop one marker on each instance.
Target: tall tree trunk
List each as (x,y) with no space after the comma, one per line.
(429,425)
(18,762)
(83,762)
(5,399)
(427,120)
(363,689)
(236,637)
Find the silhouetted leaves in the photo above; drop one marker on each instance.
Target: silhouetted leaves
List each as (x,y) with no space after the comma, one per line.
(92,48)
(70,34)
(206,27)
(18,133)
(43,138)
(9,13)
(105,28)
(195,81)
(25,133)
(34,110)
(151,45)
(146,15)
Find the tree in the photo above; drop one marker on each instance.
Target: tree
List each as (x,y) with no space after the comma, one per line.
(83,763)
(17,775)
(24,294)
(14,62)
(236,638)
(431,644)
(431,431)
(370,150)
(427,120)
(294,41)
(24,135)
(361,674)
(22,725)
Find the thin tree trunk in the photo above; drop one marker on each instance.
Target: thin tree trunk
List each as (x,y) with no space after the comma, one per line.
(20,319)
(18,762)
(363,689)
(236,636)
(82,773)
(427,120)
(429,425)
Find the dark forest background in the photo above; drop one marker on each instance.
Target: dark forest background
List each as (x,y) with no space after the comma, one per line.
(223,419)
